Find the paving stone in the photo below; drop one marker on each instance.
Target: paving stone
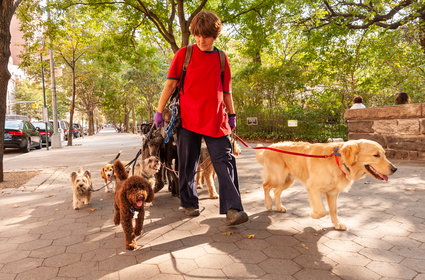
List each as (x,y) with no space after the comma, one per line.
(33,245)
(242,271)
(177,266)
(420,277)
(343,245)
(117,262)
(248,256)
(281,252)
(39,273)
(78,269)
(7,276)
(99,254)
(169,277)
(409,252)
(354,272)
(415,264)
(312,261)
(47,251)
(12,256)
(83,247)
(401,241)
(21,265)
(140,270)
(189,253)
(280,266)
(312,274)
(282,241)
(69,240)
(391,270)
(62,260)
(277,277)
(99,275)
(220,248)
(349,258)
(205,273)
(373,243)
(57,234)
(381,255)
(23,238)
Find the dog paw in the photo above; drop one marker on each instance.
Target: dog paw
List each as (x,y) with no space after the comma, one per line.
(281,209)
(214,196)
(340,226)
(317,215)
(131,246)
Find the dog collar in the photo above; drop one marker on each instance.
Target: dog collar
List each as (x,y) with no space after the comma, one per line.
(337,155)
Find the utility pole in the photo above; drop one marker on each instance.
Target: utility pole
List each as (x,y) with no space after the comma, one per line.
(45,111)
(56,141)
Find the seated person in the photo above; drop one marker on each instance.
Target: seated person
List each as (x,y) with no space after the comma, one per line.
(358,103)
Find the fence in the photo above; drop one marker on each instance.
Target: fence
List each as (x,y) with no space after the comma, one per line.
(308,126)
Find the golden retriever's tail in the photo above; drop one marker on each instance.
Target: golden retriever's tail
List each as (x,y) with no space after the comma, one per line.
(119,170)
(259,155)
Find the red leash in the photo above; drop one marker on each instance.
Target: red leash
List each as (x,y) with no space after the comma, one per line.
(335,153)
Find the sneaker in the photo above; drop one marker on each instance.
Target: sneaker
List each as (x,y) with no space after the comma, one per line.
(191,211)
(235,217)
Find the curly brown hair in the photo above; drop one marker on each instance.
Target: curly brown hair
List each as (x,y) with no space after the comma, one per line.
(206,24)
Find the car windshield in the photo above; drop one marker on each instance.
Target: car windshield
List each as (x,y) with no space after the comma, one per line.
(40,125)
(12,125)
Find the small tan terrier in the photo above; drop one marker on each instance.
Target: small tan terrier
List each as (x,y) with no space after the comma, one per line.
(82,187)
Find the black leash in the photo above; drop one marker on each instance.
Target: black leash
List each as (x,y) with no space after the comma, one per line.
(91,190)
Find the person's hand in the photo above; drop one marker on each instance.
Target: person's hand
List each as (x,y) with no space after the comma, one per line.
(158,120)
(232,121)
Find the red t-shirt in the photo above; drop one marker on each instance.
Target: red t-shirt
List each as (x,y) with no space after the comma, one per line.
(202,108)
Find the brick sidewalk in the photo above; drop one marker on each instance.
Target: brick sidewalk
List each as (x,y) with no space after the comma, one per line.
(41,237)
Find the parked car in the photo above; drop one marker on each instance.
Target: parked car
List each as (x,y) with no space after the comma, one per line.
(21,134)
(77,130)
(62,129)
(41,127)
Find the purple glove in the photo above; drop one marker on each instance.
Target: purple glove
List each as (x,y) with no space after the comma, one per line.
(232,121)
(158,120)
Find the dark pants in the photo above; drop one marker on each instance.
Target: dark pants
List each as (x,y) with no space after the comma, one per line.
(220,149)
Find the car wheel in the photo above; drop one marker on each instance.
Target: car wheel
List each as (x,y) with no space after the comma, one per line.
(40,144)
(27,147)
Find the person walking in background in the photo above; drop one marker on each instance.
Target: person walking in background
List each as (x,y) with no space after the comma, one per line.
(402,98)
(358,103)
(207,112)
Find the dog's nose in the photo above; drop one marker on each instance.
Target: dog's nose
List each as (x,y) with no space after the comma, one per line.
(393,169)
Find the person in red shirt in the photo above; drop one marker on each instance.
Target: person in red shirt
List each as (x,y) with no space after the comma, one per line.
(206,111)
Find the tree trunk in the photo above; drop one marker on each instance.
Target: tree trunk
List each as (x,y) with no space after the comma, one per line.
(7,9)
(133,115)
(71,112)
(126,117)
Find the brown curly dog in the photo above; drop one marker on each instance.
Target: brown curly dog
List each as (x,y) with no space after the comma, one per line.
(130,198)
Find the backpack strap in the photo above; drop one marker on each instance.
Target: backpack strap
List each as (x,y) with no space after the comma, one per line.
(222,57)
(187,57)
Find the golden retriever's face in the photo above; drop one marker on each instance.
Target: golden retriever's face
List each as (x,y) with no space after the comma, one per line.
(367,157)
(107,172)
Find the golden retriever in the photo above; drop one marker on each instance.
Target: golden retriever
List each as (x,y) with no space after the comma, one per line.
(321,175)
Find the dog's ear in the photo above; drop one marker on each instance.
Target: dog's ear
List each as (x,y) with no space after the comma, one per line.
(102,173)
(73,176)
(87,174)
(151,195)
(349,152)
